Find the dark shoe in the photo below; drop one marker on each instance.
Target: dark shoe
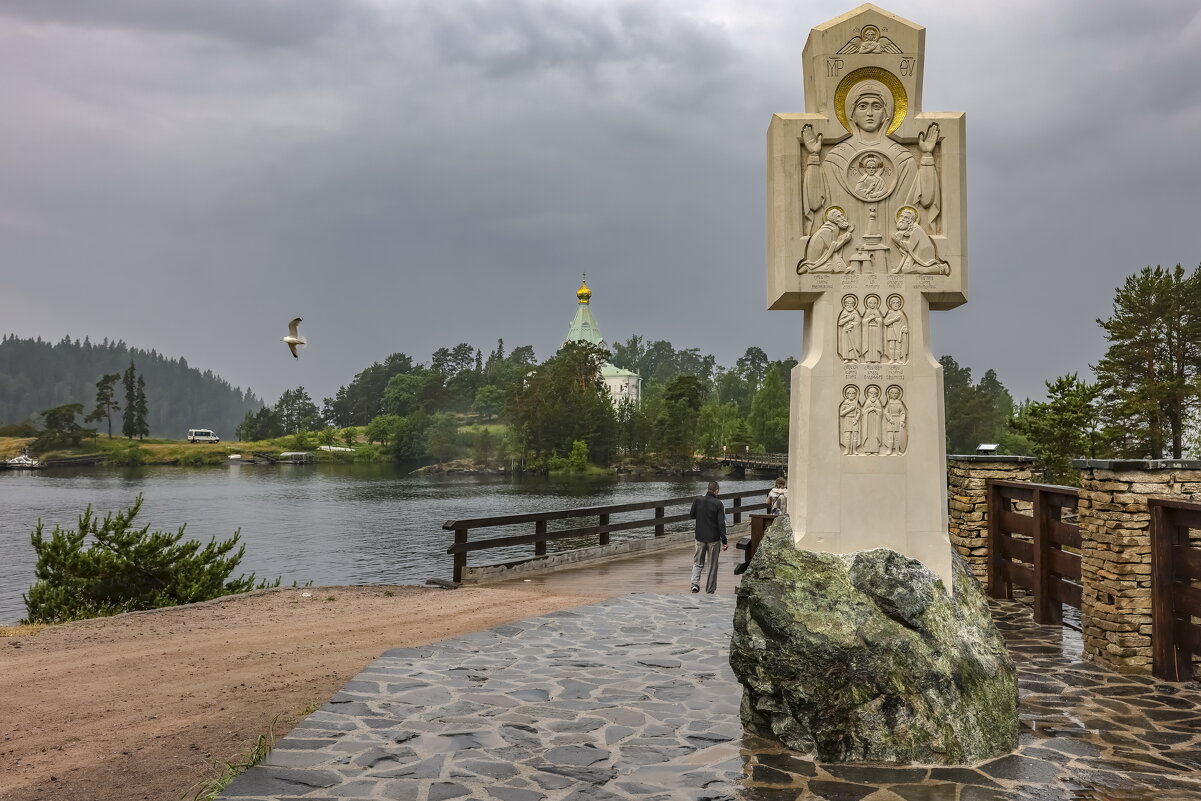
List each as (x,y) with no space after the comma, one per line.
(695,588)
(740,568)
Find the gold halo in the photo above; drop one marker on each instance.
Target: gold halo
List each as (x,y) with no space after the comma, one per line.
(900,99)
(835,208)
(916,216)
(867,28)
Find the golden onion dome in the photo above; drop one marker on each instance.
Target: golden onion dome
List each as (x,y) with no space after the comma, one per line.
(584,293)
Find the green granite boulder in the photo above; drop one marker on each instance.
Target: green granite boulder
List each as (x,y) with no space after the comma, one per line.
(865,657)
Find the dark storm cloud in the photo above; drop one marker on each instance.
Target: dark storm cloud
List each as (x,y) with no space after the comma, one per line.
(407,175)
(279,23)
(501,39)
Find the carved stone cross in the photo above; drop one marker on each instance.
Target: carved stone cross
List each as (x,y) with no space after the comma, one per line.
(867,234)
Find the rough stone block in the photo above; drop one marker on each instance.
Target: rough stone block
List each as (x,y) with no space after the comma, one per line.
(866,657)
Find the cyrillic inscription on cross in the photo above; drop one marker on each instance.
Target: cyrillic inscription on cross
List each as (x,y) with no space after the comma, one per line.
(866,234)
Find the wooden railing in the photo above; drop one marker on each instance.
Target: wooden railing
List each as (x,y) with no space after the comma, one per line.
(1175,566)
(1051,573)
(463,545)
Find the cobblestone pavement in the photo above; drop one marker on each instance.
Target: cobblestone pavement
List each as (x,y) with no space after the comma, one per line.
(633,699)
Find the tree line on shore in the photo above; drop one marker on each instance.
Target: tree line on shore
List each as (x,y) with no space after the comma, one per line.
(1141,403)
(509,408)
(37,375)
(555,414)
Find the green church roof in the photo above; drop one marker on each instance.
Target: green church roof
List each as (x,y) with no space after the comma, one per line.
(584,327)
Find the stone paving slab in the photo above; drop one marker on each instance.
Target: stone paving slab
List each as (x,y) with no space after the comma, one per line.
(633,698)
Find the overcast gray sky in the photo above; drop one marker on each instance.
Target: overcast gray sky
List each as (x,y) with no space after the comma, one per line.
(188,175)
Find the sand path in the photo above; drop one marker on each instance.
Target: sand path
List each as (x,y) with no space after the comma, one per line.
(142,706)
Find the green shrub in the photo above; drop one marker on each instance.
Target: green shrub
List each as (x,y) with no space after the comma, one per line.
(127,454)
(105,567)
(193,458)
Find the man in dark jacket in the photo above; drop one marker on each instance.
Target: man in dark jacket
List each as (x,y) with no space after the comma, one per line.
(710,516)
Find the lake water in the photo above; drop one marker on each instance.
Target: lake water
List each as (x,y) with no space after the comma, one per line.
(329,524)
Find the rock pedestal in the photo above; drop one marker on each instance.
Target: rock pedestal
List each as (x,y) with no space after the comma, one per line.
(866,657)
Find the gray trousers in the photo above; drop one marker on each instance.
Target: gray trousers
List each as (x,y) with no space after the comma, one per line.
(704,557)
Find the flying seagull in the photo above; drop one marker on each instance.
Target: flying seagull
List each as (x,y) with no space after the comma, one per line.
(293,338)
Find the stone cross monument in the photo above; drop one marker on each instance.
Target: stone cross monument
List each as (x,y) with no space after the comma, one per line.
(866,233)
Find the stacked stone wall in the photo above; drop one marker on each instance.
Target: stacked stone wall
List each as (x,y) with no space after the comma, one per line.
(1115,525)
(968,502)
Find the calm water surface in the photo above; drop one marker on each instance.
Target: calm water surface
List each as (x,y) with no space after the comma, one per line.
(329,524)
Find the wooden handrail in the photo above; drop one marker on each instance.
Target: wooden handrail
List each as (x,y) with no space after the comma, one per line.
(1175,565)
(463,544)
(1043,567)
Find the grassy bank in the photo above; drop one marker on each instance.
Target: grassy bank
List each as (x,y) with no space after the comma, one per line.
(121,451)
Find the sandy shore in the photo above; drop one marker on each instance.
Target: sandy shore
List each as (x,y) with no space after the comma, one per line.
(142,706)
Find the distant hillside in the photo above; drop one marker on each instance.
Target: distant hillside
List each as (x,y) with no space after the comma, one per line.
(37,375)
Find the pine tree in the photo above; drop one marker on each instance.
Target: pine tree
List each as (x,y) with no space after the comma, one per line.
(143,429)
(108,566)
(1065,427)
(129,418)
(769,413)
(1149,374)
(106,401)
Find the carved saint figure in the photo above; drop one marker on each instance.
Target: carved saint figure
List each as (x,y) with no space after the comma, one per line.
(849,333)
(918,254)
(896,423)
(871,184)
(823,252)
(872,423)
(869,113)
(849,414)
(896,332)
(873,330)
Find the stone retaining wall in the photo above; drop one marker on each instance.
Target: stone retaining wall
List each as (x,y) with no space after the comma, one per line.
(1115,540)
(968,502)
(1116,553)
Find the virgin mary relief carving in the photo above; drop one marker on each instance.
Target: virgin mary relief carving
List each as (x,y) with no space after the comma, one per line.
(866,182)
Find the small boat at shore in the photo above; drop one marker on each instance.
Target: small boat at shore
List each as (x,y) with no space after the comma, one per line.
(24,462)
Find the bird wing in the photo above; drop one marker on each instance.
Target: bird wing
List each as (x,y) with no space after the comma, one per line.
(292,328)
(292,348)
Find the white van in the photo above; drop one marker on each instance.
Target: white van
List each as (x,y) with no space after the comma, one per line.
(202,435)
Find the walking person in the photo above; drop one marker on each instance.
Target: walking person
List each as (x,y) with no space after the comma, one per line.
(710,516)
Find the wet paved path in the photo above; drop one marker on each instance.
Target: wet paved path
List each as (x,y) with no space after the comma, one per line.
(633,698)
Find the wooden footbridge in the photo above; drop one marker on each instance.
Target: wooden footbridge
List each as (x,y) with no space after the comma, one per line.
(760,462)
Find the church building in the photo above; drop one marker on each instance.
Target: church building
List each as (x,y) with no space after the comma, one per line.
(622,384)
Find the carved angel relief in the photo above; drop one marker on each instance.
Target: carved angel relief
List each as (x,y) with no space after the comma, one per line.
(872,422)
(851,190)
(869,40)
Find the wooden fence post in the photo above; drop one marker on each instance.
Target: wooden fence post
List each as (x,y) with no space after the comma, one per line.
(737,511)
(604,535)
(997,586)
(1167,661)
(1047,610)
(659,526)
(540,545)
(460,556)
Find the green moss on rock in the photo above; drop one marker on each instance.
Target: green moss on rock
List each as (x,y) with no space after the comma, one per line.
(866,657)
